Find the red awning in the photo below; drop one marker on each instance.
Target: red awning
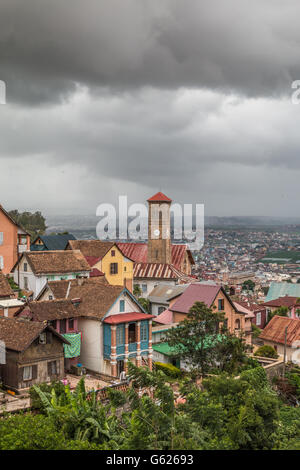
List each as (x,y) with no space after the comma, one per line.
(126,317)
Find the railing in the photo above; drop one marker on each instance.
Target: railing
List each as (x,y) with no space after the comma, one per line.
(106,350)
(120,349)
(132,347)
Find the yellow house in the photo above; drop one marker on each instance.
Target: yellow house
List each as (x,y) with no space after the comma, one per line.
(107,258)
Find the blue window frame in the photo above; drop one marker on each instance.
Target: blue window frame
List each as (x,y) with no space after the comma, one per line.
(221,304)
(122,305)
(144,331)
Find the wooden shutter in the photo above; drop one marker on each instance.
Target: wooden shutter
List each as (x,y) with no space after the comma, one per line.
(34,372)
(49,337)
(20,374)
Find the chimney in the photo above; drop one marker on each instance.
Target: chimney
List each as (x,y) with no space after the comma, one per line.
(76,302)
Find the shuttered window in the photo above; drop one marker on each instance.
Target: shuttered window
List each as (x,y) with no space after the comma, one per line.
(1,238)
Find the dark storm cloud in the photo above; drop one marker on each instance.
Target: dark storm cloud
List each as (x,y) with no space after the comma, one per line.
(47,47)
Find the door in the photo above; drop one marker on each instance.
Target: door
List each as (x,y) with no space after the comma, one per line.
(120,367)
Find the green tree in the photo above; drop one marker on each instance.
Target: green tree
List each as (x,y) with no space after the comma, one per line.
(248,285)
(280,311)
(194,340)
(33,223)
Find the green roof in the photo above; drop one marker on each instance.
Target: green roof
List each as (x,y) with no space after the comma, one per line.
(166,350)
(280,289)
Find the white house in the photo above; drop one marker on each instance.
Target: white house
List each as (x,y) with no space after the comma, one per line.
(35,268)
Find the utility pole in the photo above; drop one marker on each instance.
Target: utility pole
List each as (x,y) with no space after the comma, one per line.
(284,354)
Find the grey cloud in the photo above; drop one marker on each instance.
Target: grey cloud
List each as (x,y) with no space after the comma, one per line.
(47,47)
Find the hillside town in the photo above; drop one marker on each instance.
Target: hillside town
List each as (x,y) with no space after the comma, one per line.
(73,307)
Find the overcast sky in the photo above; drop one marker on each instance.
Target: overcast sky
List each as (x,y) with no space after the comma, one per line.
(191,97)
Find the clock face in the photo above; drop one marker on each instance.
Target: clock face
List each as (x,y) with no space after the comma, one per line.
(156,232)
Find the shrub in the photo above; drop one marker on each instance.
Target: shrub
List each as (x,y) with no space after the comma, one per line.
(168,369)
(266,351)
(255,331)
(36,402)
(256,377)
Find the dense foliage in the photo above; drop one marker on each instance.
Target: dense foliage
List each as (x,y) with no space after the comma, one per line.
(168,369)
(33,223)
(225,412)
(266,351)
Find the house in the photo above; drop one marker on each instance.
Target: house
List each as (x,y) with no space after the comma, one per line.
(292,304)
(114,326)
(6,291)
(281,289)
(35,268)
(107,259)
(9,304)
(51,242)
(161,295)
(14,240)
(249,316)
(275,332)
(62,315)
(159,260)
(34,353)
(214,297)
(260,318)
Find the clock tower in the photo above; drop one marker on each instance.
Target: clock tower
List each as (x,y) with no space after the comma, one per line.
(159,225)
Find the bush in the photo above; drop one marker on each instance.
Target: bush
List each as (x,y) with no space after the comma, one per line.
(168,369)
(255,331)
(266,351)
(256,377)
(36,402)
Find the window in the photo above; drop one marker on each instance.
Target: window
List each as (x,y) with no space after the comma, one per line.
(221,304)
(144,288)
(50,297)
(25,267)
(131,333)
(258,318)
(43,338)
(113,253)
(27,373)
(113,268)
(1,238)
(120,335)
(156,254)
(71,323)
(237,324)
(63,326)
(52,368)
(1,262)
(26,283)
(122,306)
(161,310)
(124,268)
(144,331)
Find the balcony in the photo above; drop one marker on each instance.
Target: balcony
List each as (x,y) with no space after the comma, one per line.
(132,347)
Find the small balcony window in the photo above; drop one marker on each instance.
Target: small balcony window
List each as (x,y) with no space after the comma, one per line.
(113,268)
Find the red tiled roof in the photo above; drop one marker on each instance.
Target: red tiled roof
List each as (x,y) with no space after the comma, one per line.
(285,301)
(159,197)
(96,273)
(92,260)
(195,293)
(275,330)
(165,317)
(126,317)
(254,307)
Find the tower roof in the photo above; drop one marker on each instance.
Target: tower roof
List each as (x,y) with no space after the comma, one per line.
(159,197)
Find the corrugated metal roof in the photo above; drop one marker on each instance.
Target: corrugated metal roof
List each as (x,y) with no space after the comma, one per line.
(280,289)
(159,271)
(195,293)
(138,252)
(126,317)
(275,330)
